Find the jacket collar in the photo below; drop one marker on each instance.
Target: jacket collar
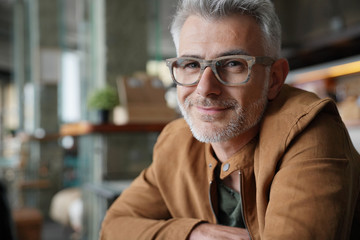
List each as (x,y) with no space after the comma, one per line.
(240,160)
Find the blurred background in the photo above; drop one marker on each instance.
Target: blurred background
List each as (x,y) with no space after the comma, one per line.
(84,93)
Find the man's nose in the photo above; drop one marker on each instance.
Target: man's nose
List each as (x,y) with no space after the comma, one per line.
(208,84)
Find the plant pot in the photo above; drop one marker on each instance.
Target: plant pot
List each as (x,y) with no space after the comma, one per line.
(104,116)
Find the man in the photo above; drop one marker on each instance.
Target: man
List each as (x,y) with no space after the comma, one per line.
(254,158)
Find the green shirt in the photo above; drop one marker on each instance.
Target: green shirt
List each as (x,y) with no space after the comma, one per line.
(230,209)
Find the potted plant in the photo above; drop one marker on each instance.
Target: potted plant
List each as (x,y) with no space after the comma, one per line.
(104,100)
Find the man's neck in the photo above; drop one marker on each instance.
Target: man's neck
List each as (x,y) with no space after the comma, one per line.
(224,150)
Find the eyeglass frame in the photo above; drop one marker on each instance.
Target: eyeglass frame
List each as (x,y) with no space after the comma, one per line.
(251,61)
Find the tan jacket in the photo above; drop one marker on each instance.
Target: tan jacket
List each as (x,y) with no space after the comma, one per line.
(299,179)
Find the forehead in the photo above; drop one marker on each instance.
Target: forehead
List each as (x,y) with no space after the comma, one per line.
(208,38)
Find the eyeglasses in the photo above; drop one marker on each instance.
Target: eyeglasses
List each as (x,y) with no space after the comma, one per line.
(231,70)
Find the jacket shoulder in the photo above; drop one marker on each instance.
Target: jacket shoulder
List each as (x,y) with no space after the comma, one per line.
(293,110)
(176,128)
(177,143)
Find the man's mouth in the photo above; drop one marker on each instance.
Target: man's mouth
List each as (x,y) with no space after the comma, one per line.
(211,110)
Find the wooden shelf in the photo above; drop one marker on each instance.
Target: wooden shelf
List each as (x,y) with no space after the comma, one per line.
(84,128)
(35,184)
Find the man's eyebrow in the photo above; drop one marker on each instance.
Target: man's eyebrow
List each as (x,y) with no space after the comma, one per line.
(190,55)
(227,53)
(233,52)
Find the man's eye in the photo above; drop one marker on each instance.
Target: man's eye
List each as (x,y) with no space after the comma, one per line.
(191,65)
(233,63)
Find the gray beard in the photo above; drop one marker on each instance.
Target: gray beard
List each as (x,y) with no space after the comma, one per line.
(242,121)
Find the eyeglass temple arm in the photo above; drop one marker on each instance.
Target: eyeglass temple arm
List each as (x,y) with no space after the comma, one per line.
(264,60)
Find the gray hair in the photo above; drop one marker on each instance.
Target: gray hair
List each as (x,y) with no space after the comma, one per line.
(262,10)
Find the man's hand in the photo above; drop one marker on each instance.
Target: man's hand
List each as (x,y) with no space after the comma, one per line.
(207,231)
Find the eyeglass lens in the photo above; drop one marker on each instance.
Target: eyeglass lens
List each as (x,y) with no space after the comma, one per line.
(233,70)
(230,70)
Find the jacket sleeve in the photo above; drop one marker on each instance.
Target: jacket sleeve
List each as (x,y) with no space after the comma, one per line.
(157,204)
(314,191)
(140,213)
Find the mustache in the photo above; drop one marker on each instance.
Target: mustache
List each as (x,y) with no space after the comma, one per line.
(210,102)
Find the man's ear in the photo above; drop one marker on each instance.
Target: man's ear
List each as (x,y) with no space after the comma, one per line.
(279,71)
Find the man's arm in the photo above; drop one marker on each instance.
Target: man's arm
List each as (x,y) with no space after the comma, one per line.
(170,197)
(140,213)
(126,220)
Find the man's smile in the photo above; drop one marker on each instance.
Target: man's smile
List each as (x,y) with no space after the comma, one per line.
(211,110)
